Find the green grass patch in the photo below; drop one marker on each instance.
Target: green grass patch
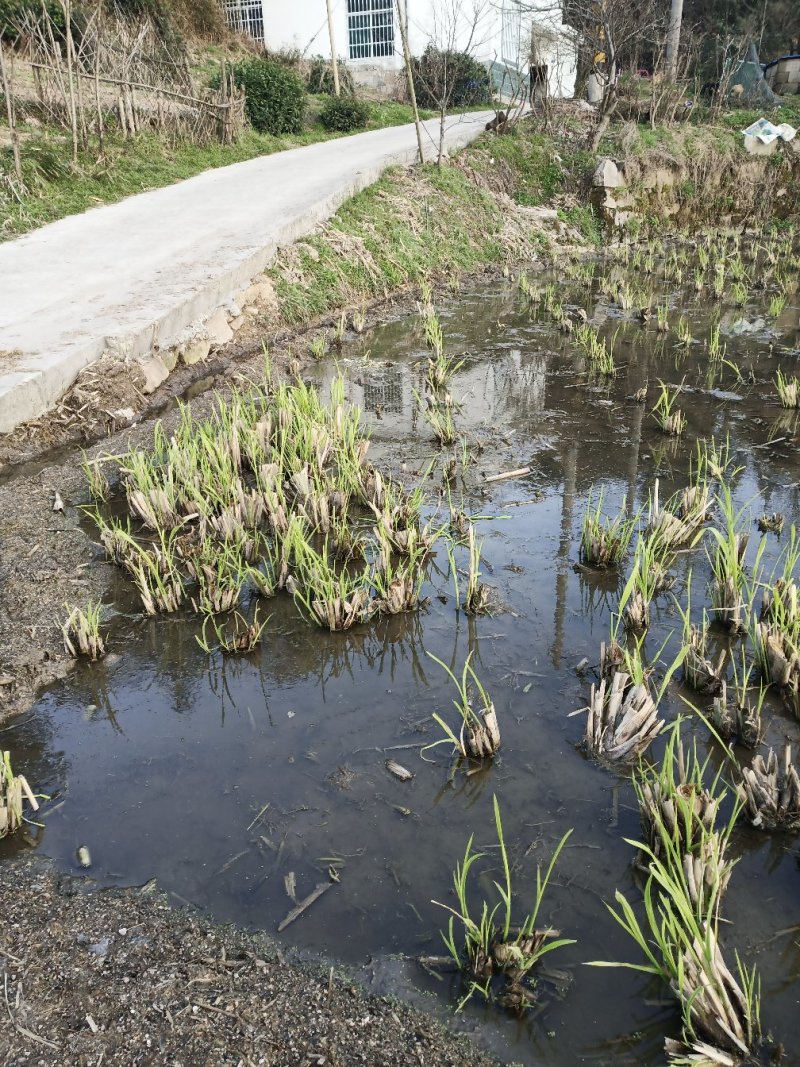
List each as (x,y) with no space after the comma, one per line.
(398,231)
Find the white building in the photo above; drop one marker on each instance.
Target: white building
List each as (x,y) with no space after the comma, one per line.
(506,35)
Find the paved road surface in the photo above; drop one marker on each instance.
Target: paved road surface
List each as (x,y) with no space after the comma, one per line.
(121,276)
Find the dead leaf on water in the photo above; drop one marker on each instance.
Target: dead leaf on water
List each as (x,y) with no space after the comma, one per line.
(398,770)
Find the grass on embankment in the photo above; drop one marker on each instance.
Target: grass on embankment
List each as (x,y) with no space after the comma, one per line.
(426,223)
(56,188)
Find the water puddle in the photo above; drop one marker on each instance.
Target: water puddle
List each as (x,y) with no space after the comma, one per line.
(223,776)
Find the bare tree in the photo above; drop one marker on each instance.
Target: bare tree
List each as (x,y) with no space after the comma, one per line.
(458,28)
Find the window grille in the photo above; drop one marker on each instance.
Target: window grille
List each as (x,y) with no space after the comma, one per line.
(511,32)
(370,28)
(246,16)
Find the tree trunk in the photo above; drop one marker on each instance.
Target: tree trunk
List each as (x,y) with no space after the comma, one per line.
(674,39)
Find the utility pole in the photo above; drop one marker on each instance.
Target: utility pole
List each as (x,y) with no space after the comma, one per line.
(334,60)
(674,39)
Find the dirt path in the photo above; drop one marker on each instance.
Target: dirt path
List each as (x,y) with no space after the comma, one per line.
(119,977)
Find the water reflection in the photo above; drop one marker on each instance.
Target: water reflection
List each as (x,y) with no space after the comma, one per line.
(220,776)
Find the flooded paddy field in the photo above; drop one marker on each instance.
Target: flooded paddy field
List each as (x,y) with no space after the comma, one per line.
(242,782)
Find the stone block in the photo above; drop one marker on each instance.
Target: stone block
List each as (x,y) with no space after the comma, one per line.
(170,357)
(607,175)
(218,330)
(154,372)
(195,350)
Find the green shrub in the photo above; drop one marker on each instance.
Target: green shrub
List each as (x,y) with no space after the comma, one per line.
(453,77)
(13,11)
(320,77)
(275,97)
(344,113)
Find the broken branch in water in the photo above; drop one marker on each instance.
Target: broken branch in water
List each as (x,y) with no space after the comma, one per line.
(304,904)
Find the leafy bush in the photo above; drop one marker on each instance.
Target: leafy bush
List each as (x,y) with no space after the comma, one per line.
(320,77)
(454,78)
(13,11)
(344,113)
(275,97)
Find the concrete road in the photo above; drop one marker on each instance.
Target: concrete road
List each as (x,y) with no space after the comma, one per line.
(127,275)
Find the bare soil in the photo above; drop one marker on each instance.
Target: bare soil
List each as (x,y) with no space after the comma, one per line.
(119,977)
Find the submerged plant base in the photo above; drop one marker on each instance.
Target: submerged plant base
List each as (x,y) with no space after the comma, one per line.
(622,719)
(771,794)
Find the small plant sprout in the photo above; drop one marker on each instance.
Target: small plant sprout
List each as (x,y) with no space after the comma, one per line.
(479,733)
(776,305)
(14,791)
(604,540)
(478,600)
(96,478)
(340,329)
(700,672)
(489,946)
(727,565)
(671,420)
(739,294)
(788,390)
(233,637)
(742,718)
(716,346)
(684,332)
(81,631)
(318,347)
(771,523)
(662,318)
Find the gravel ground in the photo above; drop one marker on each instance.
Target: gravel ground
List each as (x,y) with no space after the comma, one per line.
(118,977)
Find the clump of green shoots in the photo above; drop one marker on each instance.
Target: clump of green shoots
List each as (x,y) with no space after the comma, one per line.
(478,600)
(604,540)
(434,336)
(597,350)
(699,670)
(741,719)
(439,416)
(671,419)
(716,346)
(14,791)
(490,946)
(679,813)
(679,939)
(334,600)
(96,478)
(776,305)
(81,631)
(622,718)
(739,294)
(788,390)
(729,581)
(647,579)
(479,733)
(776,636)
(684,332)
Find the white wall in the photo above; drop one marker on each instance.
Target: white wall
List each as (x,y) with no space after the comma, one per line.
(303,25)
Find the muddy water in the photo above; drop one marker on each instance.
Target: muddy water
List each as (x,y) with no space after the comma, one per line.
(220,777)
